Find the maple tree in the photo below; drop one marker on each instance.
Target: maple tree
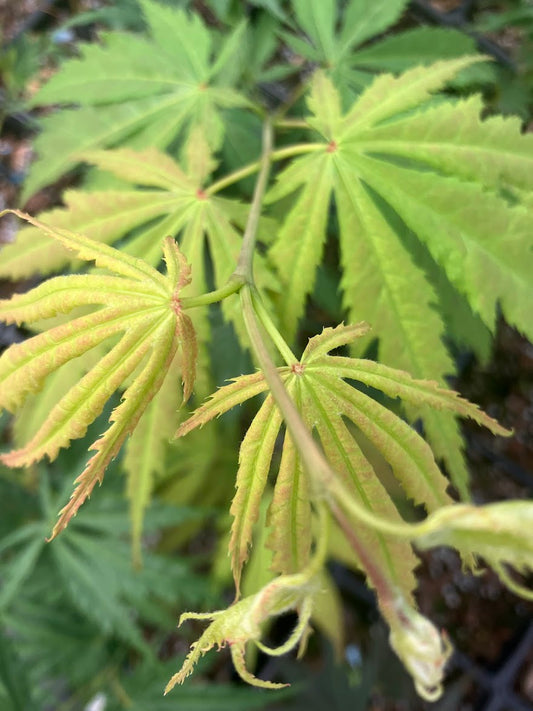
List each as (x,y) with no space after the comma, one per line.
(432,207)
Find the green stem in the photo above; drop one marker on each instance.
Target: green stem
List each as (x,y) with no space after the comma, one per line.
(321,550)
(346,501)
(383,586)
(234,177)
(312,457)
(244,269)
(120,692)
(270,328)
(291,123)
(252,168)
(296,150)
(233,285)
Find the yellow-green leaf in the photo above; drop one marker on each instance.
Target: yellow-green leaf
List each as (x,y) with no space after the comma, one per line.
(140,312)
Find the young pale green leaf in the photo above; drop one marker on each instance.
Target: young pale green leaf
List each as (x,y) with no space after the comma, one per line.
(331,338)
(395,296)
(327,404)
(62,294)
(290,537)
(242,623)
(238,391)
(255,456)
(409,455)
(149,167)
(500,533)
(71,416)
(479,241)
(257,572)
(463,326)
(376,197)
(293,258)
(290,508)
(103,256)
(36,408)
(174,201)
(102,216)
(390,96)
(24,366)
(124,418)
(492,151)
(136,91)
(137,302)
(144,455)
(317,387)
(392,382)
(110,215)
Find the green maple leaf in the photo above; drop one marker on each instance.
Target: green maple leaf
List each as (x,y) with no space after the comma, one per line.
(336,40)
(332,408)
(145,450)
(136,303)
(173,200)
(396,160)
(33,412)
(137,91)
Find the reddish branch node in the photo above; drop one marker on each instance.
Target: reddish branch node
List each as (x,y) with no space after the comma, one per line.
(332,147)
(175,304)
(297,368)
(201,194)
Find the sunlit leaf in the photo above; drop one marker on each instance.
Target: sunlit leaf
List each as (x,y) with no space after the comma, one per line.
(139,303)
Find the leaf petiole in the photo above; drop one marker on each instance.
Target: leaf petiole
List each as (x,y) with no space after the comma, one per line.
(232,286)
(270,328)
(251,168)
(244,267)
(292,123)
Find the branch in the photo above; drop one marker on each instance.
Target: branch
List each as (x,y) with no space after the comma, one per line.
(246,257)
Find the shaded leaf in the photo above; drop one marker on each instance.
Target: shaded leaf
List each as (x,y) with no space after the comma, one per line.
(334,43)
(137,91)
